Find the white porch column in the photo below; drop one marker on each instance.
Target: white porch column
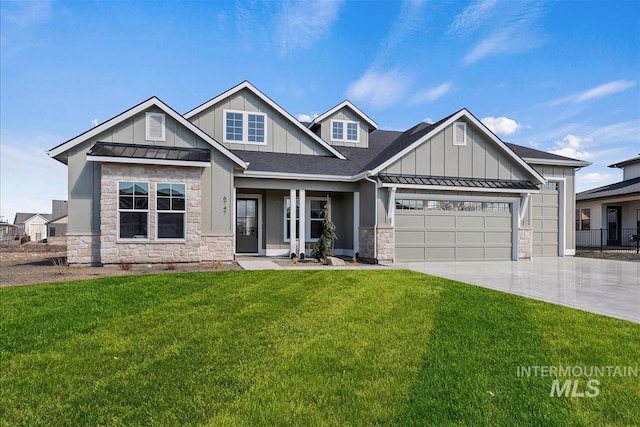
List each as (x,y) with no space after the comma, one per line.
(292,223)
(356,222)
(303,227)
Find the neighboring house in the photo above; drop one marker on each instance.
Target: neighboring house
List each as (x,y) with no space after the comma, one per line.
(240,175)
(7,231)
(57,227)
(32,225)
(606,216)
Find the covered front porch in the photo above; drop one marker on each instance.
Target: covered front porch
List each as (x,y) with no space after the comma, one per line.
(267,225)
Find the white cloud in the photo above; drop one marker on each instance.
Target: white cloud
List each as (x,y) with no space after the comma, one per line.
(410,19)
(431,94)
(501,125)
(594,178)
(302,23)
(379,89)
(472,17)
(573,146)
(306,117)
(596,92)
(501,27)
(94,122)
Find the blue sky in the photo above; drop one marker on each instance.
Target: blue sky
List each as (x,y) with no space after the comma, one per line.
(558,76)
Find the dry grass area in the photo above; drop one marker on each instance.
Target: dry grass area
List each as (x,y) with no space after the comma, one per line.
(41,263)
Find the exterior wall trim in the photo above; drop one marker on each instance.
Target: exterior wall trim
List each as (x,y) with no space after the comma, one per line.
(562,207)
(338,107)
(160,162)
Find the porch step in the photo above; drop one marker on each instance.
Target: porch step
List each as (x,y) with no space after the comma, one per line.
(258,264)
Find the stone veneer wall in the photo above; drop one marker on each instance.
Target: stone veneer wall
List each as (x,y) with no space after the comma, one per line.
(83,249)
(385,243)
(151,250)
(217,247)
(525,242)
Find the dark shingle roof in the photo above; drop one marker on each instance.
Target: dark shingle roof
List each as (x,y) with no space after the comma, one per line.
(357,158)
(21,217)
(458,182)
(532,153)
(627,162)
(619,189)
(138,151)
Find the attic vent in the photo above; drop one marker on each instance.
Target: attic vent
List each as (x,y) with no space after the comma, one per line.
(460,133)
(155,127)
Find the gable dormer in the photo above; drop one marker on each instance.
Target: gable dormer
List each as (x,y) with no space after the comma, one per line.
(344,125)
(243,118)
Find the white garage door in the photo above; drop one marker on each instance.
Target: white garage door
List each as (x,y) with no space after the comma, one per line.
(545,223)
(446,230)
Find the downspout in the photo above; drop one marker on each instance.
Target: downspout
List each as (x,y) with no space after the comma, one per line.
(375,220)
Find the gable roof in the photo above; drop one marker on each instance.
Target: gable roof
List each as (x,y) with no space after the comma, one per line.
(627,162)
(417,135)
(143,106)
(264,98)
(629,187)
(22,217)
(531,155)
(343,104)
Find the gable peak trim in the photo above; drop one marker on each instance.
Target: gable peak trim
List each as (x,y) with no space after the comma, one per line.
(248,86)
(343,104)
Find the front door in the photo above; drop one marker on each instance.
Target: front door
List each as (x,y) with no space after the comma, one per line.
(614,222)
(247,226)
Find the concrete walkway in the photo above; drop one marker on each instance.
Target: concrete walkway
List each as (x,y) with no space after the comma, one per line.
(600,286)
(258,264)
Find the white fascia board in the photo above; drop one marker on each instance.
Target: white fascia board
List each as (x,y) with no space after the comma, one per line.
(141,161)
(456,188)
(466,114)
(295,176)
(272,104)
(153,101)
(101,127)
(345,103)
(550,162)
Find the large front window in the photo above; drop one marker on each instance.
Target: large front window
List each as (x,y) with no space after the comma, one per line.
(171,208)
(245,128)
(133,210)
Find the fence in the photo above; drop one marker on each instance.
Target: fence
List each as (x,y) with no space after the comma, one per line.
(605,239)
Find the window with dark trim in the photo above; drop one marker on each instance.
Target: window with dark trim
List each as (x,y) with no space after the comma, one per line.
(583,219)
(133,210)
(171,210)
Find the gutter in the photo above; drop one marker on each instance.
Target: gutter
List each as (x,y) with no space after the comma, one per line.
(375,219)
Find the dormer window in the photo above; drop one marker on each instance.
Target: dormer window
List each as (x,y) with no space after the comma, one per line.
(155,127)
(243,127)
(344,131)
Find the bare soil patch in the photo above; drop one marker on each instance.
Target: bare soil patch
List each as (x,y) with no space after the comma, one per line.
(615,255)
(29,266)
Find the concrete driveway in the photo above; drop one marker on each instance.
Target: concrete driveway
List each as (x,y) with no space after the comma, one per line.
(600,286)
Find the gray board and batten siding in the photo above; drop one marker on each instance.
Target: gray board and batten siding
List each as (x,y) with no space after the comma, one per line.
(345,113)
(282,136)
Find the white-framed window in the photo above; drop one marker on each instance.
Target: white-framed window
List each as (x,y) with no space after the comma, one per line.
(243,127)
(583,219)
(314,218)
(155,126)
(133,210)
(460,134)
(171,208)
(345,131)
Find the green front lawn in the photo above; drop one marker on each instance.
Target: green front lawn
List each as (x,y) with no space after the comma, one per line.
(301,348)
